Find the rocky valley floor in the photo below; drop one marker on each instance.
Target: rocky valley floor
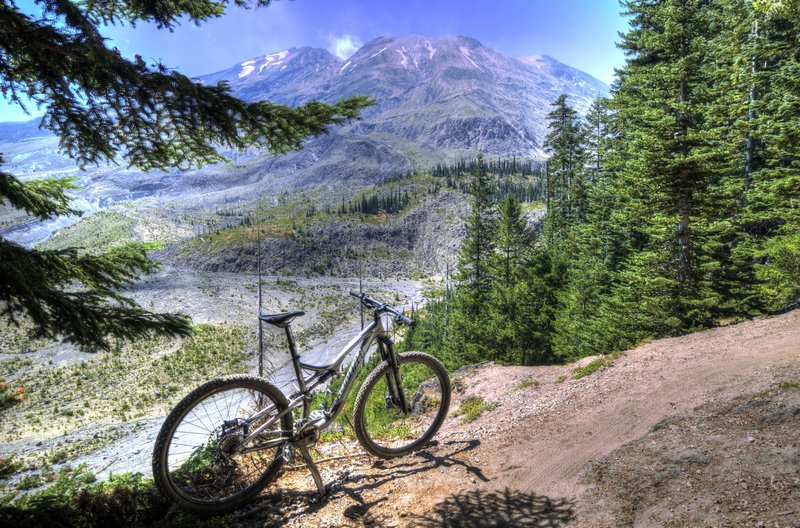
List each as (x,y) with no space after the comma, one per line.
(104,409)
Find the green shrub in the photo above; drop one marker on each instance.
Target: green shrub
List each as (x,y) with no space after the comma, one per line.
(10,395)
(601,362)
(524,384)
(9,466)
(75,499)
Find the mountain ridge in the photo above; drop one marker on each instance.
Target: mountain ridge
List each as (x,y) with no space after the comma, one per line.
(452,93)
(438,100)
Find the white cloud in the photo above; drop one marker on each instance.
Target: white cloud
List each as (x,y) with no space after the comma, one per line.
(343,46)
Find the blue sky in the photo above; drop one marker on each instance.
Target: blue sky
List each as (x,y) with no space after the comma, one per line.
(581,33)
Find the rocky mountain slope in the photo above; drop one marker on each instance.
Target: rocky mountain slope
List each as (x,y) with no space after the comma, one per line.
(419,242)
(436,100)
(450,94)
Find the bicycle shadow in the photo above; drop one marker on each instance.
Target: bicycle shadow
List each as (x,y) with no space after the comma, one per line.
(291,504)
(435,460)
(500,509)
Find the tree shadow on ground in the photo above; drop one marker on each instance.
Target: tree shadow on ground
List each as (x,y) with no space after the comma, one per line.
(502,509)
(280,508)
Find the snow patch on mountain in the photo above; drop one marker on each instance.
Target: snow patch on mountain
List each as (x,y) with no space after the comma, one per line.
(273,59)
(430,48)
(277,57)
(404,60)
(376,54)
(247,68)
(465,52)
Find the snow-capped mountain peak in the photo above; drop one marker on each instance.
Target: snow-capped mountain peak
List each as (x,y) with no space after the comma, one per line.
(449,93)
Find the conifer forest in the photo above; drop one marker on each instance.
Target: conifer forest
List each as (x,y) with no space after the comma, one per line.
(672,207)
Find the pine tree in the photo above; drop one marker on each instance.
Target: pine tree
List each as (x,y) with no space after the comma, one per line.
(545,274)
(755,54)
(773,197)
(728,118)
(467,337)
(507,311)
(567,163)
(670,171)
(597,136)
(105,108)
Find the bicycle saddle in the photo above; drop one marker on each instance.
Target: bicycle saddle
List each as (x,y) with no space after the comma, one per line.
(282,319)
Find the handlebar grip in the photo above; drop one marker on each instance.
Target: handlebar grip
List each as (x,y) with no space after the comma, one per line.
(405,320)
(356,294)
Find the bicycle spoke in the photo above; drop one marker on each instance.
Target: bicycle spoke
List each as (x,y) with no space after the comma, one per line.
(384,426)
(203,458)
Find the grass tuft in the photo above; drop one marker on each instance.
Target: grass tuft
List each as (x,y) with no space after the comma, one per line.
(780,387)
(524,384)
(598,364)
(472,408)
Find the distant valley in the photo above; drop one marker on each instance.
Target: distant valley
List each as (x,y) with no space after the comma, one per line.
(377,197)
(437,100)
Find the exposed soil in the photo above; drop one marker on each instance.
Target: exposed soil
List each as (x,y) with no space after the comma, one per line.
(699,430)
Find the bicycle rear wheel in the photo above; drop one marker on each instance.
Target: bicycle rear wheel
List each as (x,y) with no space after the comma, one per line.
(198,459)
(397,413)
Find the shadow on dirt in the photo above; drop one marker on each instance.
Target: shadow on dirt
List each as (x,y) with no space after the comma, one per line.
(284,506)
(502,509)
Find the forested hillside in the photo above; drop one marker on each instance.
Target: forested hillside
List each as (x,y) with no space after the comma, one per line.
(673,206)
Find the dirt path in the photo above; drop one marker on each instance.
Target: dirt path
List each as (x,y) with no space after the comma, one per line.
(530,461)
(652,382)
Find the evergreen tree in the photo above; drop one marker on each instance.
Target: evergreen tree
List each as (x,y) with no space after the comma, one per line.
(669,174)
(728,118)
(105,108)
(538,302)
(567,163)
(597,137)
(773,196)
(469,331)
(507,312)
(755,55)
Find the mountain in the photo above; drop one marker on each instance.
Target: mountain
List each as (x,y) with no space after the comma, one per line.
(289,77)
(437,99)
(446,94)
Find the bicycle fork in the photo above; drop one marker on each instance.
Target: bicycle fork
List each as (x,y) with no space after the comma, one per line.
(394,380)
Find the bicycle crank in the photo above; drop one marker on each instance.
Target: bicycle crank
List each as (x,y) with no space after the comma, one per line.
(312,467)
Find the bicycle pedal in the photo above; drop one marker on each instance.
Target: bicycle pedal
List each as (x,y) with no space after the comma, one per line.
(287,453)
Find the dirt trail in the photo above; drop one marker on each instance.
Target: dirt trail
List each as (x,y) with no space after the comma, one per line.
(652,382)
(528,462)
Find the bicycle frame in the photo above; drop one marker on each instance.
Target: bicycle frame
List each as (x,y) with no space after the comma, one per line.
(375,332)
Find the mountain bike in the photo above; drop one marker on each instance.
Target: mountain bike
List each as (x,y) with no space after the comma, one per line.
(228,439)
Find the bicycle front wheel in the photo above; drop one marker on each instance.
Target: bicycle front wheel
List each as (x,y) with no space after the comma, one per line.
(397,412)
(201,460)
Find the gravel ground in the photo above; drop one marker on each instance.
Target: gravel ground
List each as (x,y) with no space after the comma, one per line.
(733,463)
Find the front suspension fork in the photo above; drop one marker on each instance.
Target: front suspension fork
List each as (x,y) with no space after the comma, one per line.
(394,380)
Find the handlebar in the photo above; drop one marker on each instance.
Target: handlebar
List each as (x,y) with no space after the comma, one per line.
(372,304)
